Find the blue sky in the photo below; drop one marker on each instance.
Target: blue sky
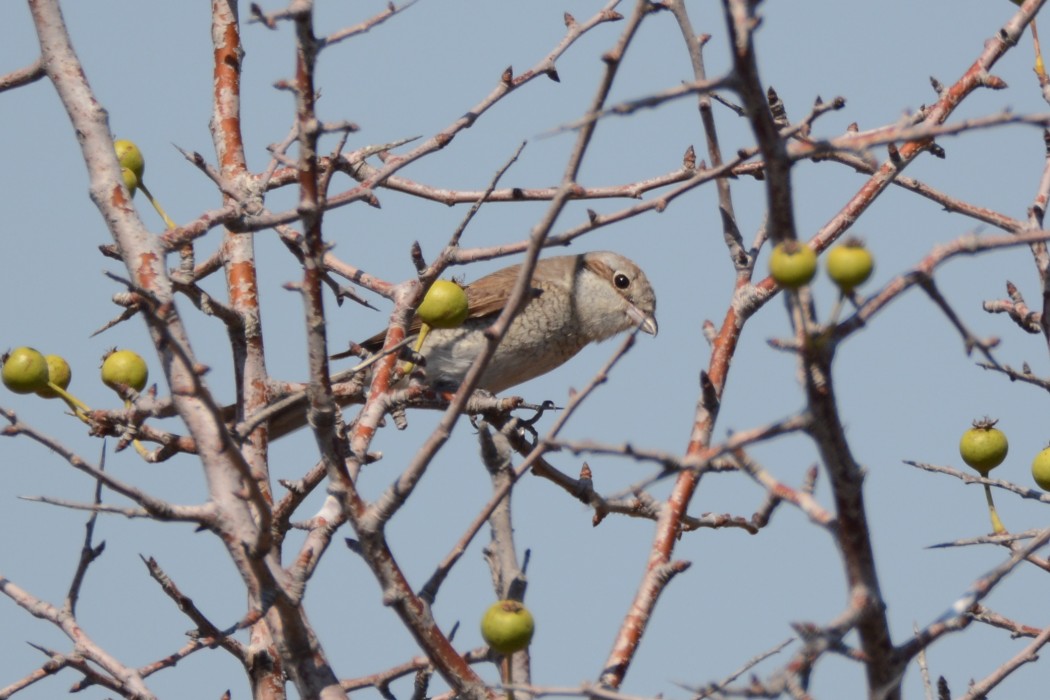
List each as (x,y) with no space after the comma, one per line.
(907,389)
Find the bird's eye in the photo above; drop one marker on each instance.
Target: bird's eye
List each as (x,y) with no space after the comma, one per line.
(621,280)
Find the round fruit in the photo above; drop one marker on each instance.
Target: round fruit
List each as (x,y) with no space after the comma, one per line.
(58,373)
(507,627)
(125,367)
(25,370)
(983,446)
(444,306)
(792,264)
(1041,469)
(130,181)
(850,264)
(130,157)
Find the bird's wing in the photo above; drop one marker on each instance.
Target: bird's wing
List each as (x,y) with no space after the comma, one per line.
(485,297)
(489,294)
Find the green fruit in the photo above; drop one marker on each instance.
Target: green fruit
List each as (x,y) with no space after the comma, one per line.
(983,446)
(850,264)
(125,367)
(130,181)
(792,264)
(1041,469)
(25,370)
(58,373)
(130,157)
(507,627)
(444,306)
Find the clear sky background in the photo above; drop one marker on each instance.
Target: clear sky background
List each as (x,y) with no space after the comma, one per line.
(907,389)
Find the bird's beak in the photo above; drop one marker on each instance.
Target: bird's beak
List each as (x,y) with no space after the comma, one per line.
(644,321)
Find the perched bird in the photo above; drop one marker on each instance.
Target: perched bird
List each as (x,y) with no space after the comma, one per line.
(574,300)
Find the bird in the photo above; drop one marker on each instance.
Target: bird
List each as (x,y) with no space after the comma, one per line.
(573,301)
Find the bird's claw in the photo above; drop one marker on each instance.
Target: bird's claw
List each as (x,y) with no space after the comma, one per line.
(529,423)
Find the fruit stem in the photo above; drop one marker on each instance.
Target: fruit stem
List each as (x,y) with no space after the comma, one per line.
(139,447)
(1040,68)
(507,675)
(156,205)
(997,524)
(837,310)
(423,330)
(79,408)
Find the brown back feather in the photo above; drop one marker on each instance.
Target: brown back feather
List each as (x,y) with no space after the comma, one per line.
(482,300)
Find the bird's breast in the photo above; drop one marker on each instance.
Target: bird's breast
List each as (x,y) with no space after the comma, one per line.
(539,340)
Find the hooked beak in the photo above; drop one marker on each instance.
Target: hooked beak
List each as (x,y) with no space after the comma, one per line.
(645,322)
